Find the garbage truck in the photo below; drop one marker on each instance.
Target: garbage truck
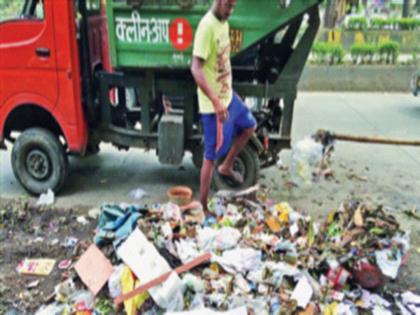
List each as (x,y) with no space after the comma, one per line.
(78,73)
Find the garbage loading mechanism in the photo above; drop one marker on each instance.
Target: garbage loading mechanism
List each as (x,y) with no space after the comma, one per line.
(151,81)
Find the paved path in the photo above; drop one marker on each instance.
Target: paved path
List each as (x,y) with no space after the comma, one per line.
(111,175)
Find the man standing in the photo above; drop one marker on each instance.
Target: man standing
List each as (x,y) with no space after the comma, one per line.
(225,118)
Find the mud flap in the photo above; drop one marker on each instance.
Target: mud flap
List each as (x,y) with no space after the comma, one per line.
(171,139)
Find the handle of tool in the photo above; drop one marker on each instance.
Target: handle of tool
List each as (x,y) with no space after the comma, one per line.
(378,140)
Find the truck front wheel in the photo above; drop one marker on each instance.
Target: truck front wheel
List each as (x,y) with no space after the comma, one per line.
(247,164)
(39,161)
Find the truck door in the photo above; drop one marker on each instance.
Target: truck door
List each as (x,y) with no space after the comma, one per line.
(27,52)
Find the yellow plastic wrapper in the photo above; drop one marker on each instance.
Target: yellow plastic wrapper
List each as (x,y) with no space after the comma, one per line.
(331,309)
(128,285)
(283,209)
(274,224)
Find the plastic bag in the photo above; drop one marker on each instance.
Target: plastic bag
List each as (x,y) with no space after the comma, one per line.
(137,194)
(239,260)
(209,239)
(194,283)
(46,199)
(172,212)
(114,282)
(306,159)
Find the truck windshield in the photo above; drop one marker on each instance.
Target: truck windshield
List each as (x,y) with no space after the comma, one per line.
(21,9)
(11,9)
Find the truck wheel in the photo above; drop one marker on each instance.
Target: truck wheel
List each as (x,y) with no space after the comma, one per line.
(39,161)
(197,156)
(247,164)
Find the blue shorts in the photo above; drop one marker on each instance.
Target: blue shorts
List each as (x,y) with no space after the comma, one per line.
(240,118)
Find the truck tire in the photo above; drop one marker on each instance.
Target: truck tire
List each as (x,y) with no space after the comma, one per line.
(198,156)
(247,163)
(39,161)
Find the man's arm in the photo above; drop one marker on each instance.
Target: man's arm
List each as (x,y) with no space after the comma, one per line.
(197,70)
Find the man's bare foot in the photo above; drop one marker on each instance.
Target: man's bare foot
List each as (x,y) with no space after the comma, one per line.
(231,175)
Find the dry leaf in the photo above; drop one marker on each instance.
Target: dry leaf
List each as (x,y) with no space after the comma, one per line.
(358,217)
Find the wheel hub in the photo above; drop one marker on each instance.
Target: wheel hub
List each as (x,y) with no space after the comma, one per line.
(239,166)
(38,164)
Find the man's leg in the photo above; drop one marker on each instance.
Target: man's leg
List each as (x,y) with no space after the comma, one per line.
(205,181)
(226,168)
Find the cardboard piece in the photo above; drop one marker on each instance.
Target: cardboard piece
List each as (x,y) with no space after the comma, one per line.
(94,269)
(36,267)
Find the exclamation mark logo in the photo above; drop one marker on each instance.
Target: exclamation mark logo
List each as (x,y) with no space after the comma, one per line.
(181,34)
(180,40)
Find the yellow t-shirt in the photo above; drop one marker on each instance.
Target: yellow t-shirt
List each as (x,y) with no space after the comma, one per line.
(212,44)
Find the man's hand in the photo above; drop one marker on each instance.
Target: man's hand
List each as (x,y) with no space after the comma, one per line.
(222,115)
(221,112)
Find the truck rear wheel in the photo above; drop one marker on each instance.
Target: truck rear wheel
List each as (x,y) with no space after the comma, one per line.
(39,161)
(247,164)
(197,156)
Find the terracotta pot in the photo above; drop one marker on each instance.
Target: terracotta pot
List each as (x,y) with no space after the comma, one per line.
(180,195)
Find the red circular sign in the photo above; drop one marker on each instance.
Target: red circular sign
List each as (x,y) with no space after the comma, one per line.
(181,34)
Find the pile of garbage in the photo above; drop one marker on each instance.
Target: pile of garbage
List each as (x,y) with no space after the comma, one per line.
(252,256)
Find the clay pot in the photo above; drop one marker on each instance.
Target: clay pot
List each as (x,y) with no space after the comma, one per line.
(180,195)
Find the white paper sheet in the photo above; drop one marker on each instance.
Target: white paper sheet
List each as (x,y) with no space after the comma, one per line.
(303,292)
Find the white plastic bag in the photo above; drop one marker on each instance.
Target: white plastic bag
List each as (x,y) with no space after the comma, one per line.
(306,159)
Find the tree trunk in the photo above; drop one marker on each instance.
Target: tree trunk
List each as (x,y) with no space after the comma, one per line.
(330,17)
(406,8)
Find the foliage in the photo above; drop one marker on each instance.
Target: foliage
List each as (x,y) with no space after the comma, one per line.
(408,23)
(389,51)
(363,52)
(386,52)
(337,53)
(357,23)
(379,23)
(320,50)
(330,53)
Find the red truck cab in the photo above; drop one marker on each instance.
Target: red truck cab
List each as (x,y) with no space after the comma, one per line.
(42,99)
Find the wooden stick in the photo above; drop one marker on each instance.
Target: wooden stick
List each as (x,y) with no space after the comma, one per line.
(379,140)
(147,286)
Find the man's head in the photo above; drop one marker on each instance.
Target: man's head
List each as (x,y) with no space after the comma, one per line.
(223,9)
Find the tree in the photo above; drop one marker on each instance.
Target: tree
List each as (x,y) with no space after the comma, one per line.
(406,8)
(333,12)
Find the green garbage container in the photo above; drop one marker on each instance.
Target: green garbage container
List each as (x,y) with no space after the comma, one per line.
(160,33)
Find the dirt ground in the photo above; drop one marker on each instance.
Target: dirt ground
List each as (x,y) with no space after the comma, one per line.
(35,232)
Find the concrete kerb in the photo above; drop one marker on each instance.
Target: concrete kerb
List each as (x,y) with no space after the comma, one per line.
(372,78)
